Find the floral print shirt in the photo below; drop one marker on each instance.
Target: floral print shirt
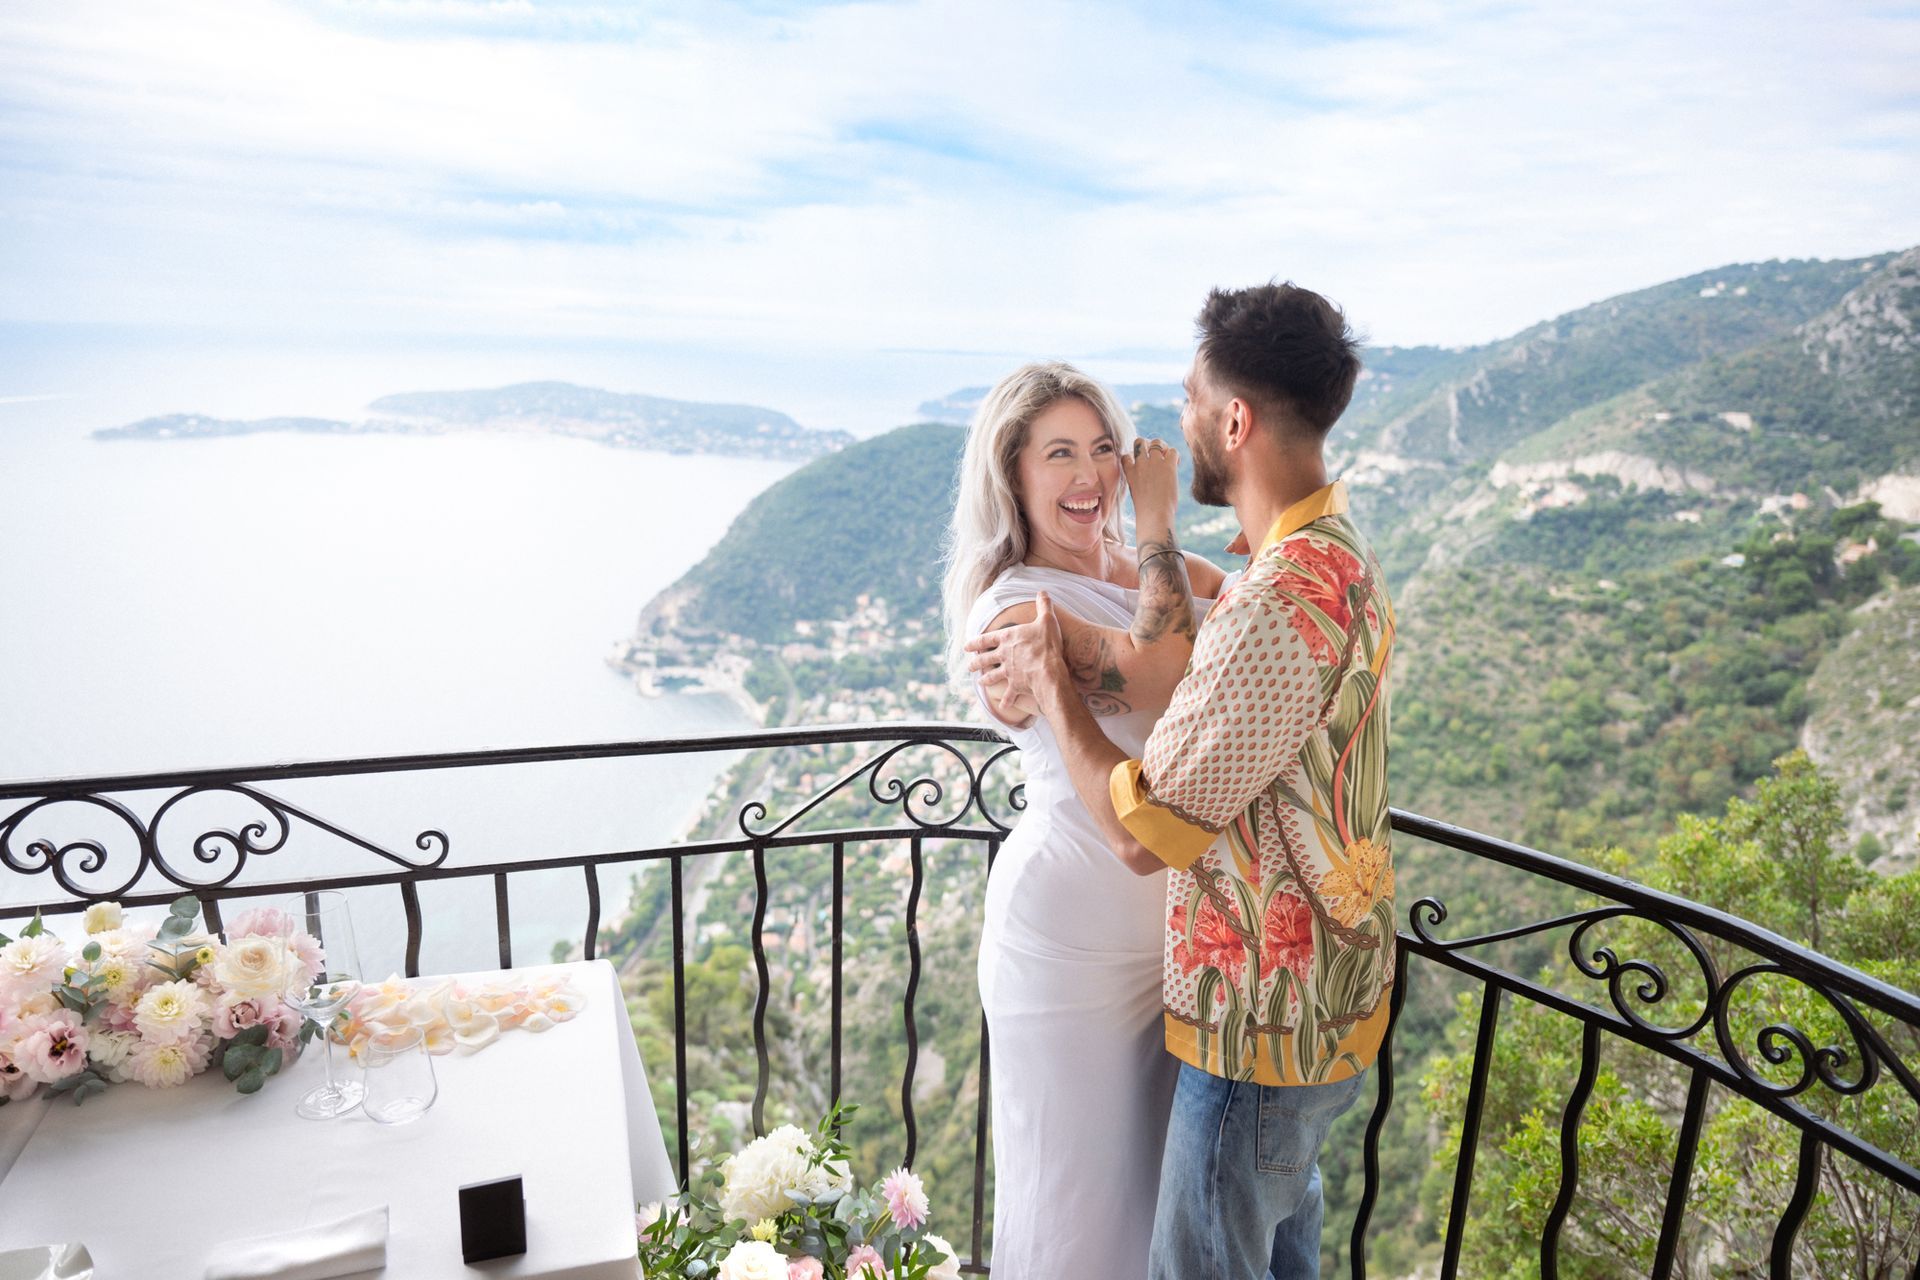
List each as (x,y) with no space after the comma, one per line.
(1264,788)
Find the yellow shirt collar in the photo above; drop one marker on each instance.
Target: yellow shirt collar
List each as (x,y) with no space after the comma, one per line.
(1329,501)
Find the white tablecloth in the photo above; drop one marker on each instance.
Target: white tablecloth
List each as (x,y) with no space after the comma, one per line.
(150,1179)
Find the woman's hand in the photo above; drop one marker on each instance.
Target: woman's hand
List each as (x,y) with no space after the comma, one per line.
(1153,478)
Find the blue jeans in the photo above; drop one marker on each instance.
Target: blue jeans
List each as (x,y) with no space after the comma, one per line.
(1240,1181)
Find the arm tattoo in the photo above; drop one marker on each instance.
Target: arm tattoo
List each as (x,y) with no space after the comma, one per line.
(1096,674)
(1166,600)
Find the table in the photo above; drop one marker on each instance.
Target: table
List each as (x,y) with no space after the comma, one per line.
(151,1179)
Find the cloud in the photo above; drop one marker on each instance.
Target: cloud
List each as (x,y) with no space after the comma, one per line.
(1054,178)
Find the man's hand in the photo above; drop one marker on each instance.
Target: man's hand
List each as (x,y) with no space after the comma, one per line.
(1026,660)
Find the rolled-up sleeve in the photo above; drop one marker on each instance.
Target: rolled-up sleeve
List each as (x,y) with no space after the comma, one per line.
(1250,697)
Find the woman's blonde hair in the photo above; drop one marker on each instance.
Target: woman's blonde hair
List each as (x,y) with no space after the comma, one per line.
(989,531)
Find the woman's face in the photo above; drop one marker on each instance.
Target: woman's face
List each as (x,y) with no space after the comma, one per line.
(1068,474)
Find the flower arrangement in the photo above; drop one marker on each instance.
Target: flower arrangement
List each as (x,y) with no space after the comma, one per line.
(784,1207)
(157,1006)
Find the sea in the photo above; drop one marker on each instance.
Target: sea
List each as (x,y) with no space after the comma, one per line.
(183,604)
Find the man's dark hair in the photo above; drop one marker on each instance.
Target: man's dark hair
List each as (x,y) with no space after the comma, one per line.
(1283,348)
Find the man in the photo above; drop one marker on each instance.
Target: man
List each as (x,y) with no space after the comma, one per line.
(1263,791)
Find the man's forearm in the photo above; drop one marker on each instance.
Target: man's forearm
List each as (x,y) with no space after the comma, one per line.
(1090,757)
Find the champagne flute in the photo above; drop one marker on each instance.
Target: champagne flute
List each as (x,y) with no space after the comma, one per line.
(323,915)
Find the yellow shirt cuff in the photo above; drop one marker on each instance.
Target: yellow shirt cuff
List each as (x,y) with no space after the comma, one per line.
(1166,835)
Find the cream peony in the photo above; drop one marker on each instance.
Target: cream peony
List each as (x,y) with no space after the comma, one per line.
(172,1012)
(102,916)
(759,1176)
(255,968)
(948,1268)
(29,965)
(753,1260)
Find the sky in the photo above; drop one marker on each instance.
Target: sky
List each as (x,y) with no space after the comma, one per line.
(843,209)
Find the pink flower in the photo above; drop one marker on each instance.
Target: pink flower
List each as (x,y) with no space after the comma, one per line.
(260,922)
(52,1047)
(15,1084)
(806,1267)
(312,957)
(283,1027)
(231,1017)
(116,1016)
(906,1198)
(866,1259)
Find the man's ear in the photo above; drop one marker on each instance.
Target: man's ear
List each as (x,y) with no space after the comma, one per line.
(1239,425)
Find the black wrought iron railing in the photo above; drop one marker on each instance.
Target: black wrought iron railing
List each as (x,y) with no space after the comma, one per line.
(145,839)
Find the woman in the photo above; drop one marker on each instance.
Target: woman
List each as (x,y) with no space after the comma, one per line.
(1070,951)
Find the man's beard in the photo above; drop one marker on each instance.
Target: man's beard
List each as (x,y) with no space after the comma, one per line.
(1209,468)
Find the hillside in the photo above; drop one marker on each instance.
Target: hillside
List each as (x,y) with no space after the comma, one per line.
(866,520)
(1474,406)
(1865,699)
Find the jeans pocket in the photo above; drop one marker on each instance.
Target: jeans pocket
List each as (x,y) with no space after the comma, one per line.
(1294,1120)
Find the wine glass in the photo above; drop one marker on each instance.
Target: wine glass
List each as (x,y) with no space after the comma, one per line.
(323,915)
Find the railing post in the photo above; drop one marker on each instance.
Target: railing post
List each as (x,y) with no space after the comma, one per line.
(1470,1131)
(1383,1101)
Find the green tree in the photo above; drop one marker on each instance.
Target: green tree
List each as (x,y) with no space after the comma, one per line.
(1780,861)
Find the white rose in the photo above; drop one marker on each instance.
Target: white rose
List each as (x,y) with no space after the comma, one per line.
(753,1260)
(761,1174)
(949,1266)
(102,916)
(254,968)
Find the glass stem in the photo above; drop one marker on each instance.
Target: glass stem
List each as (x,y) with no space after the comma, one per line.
(326,1038)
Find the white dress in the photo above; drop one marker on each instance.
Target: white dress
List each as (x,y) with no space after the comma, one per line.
(1070,966)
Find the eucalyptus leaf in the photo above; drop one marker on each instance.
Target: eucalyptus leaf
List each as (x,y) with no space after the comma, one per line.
(90,952)
(696,1268)
(185,907)
(250,1082)
(271,1061)
(240,1059)
(255,1034)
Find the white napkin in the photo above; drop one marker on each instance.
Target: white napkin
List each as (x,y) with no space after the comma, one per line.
(357,1242)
